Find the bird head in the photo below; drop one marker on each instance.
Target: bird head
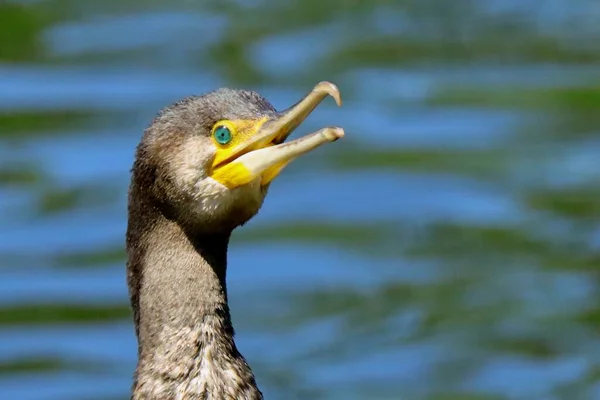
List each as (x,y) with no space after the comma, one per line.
(207,161)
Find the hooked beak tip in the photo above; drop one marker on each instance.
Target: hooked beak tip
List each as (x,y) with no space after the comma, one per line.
(330,89)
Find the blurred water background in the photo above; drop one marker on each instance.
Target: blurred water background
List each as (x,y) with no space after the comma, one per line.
(448,248)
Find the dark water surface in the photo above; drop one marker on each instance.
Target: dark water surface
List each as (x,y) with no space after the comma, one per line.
(447,248)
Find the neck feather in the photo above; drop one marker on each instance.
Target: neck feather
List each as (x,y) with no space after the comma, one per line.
(186,347)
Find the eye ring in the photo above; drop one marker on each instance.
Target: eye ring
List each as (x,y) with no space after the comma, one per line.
(222,134)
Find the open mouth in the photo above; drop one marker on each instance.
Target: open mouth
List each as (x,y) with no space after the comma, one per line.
(265,153)
(269,161)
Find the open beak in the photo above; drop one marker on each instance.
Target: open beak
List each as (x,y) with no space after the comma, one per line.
(264,153)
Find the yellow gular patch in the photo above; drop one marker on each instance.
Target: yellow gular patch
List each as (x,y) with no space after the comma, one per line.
(272,172)
(233,175)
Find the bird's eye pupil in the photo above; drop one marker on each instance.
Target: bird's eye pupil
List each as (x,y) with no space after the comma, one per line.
(222,135)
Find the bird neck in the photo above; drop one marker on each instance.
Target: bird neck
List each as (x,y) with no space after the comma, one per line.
(178,291)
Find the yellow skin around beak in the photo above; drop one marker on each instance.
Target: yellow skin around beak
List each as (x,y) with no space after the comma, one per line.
(255,148)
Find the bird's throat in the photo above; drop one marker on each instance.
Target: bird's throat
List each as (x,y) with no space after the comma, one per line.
(178,292)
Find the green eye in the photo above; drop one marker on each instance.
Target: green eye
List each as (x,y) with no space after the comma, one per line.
(222,135)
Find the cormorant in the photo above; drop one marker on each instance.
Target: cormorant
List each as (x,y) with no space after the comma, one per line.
(202,168)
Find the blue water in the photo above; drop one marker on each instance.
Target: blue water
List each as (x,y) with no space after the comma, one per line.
(368,302)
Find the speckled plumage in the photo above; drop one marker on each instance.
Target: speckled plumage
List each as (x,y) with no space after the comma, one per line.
(179,225)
